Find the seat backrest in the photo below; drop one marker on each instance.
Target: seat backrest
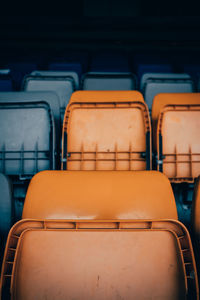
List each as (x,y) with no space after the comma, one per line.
(19,69)
(99,260)
(151,63)
(67,66)
(63,86)
(27,140)
(165,99)
(50,97)
(99,195)
(109,62)
(178,146)
(106,131)
(6,206)
(6,83)
(72,56)
(153,67)
(107,81)
(31,97)
(154,84)
(161,76)
(58,73)
(192,68)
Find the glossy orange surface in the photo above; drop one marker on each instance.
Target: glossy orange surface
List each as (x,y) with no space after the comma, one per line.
(99,195)
(106,96)
(99,260)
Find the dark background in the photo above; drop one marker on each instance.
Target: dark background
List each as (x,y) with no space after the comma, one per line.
(45,29)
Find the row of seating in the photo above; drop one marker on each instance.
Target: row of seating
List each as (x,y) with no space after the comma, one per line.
(102,131)
(69,215)
(65,82)
(105,61)
(112,130)
(99,235)
(151,84)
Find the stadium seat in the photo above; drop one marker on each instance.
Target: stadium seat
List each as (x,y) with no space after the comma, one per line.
(31,97)
(71,74)
(153,68)
(108,81)
(106,131)
(6,83)
(109,62)
(27,144)
(176,123)
(151,63)
(64,86)
(99,260)
(99,195)
(193,69)
(27,138)
(73,55)
(19,69)
(6,207)
(66,66)
(153,84)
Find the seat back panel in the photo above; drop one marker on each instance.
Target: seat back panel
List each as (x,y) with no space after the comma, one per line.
(26,142)
(107,136)
(103,138)
(165,99)
(104,84)
(152,89)
(179,128)
(108,81)
(99,260)
(98,265)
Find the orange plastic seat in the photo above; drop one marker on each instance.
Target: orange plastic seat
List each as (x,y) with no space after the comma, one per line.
(99,195)
(106,130)
(99,260)
(164,99)
(176,117)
